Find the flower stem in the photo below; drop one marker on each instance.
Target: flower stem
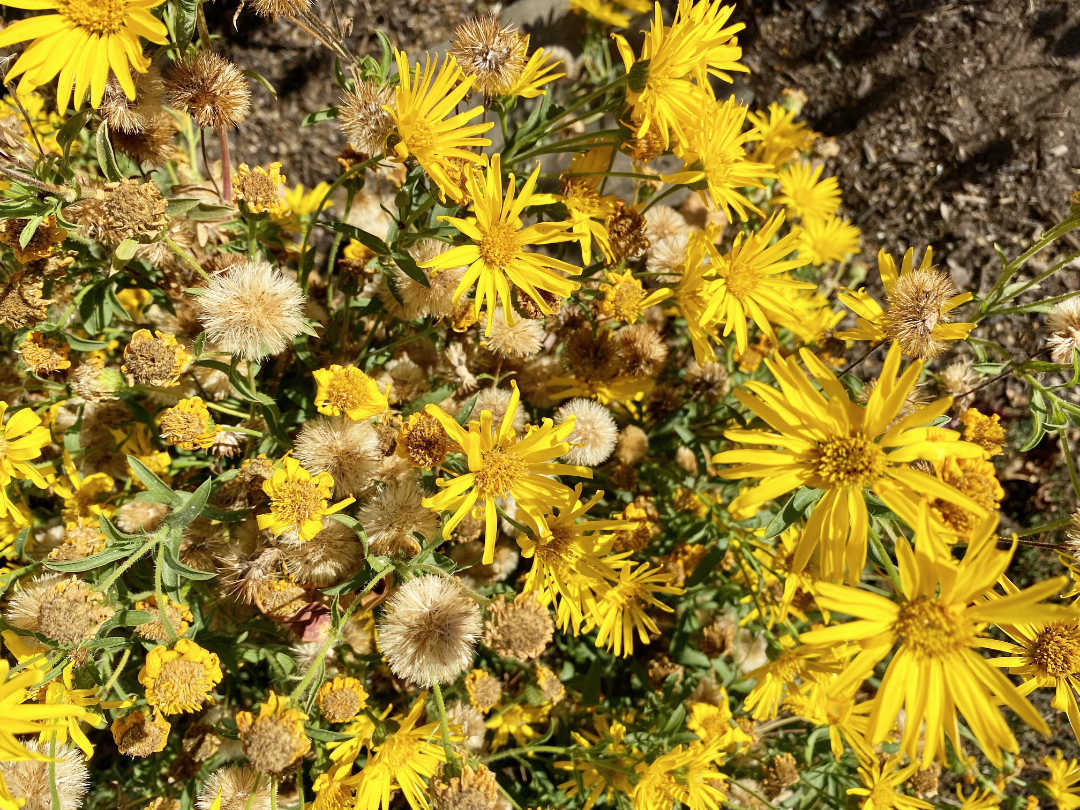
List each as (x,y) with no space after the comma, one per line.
(444,728)
(226,167)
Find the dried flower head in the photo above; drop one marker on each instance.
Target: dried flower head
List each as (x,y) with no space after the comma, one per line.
(640,349)
(916,306)
(497,400)
(180,678)
(62,608)
(209,88)
(1063,321)
(364,118)
(493,54)
(43,356)
(274,740)
(341,699)
(474,789)
(392,517)
(523,338)
(422,440)
(626,233)
(485,690)
(520,629)
(21,301)
(177,616)
(126,115)
(156,360)
(125,209)
(261,189)
(348,450)
(272,9)
(44,240)
(327,558)
(30,781)
(595,432)
(632,445)
(428,630)
(152,144)
(234,788)
(550,684)
(140,734)
(469,722)
(188,425)
(252,310)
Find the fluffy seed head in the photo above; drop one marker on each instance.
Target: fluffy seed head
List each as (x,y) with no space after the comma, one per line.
(1064,325)
(252,310)
(641,350)
(428,630)
(62,608)
(497,400)
(522,339)
(469,722)
(348,450)
(239,789)
(494,54)
(210,89)
(521,629)
(328,557)
(31,781)
(124,115)
(595,433)
(915,308)
(153,143)
(393,515)
(364,118)
(633,444)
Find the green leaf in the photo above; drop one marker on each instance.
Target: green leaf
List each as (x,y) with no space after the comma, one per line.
(368,240)
(109,555)
(29,229)
(187,11)
(191,507)
(793,511)
(82,344)
(186,572)
(105,155)
(180,206)
(70,130)
(257,77)
(410,268)
(154,485)
(430,398)
(126,249)
(325,735)
(319,116)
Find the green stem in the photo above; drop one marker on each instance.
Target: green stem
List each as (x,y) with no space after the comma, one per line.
(185,257)
(1070,462)
(159,595)
(536,749)
(122,569)
(1046,528)
(886,560)
(1062,228)
(444,727)
(53,789)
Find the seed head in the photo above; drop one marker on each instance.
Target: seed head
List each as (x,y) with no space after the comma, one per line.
(210,89)
(521,629)
(237,787)
(348,450)
(494,54)
(394,515)
(31,780)
(126,209)
(140,733)
(472,790)
(916,307)
(364,118)
(274,740)
(595,433)
(1064,325)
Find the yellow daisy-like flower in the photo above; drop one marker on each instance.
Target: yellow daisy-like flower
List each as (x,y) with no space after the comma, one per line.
(301,204)
(516,721)
(23,437)
(501,464)
(827,239)
(298,500)
(610,13)
(274,739)
(538,71)
(826,441)
(180,678)
(587,208)
(349,391)
(83,41)
(625,298)
(85,497)
(188,424)
(780,138)
(752,282)
(881,785)
(62,692)
(261,189)
(714,151)
(1063,784)
(677,61)
(686,775)
(918,303)
(692,293)
(933,633)
(341,699)
(620,611)
(405,760)
(422,102)
(497,258)
(805,194)
(21,717)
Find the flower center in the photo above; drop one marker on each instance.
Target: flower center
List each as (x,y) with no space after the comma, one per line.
(499,245)
(343,395)
(181,685)
(96,16)
(499,470)
(297,501)
(848,460)
(929,628)
(741,282)
(883,796)
(1056,650)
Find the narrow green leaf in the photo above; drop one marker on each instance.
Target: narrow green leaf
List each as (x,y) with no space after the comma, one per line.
(154,485)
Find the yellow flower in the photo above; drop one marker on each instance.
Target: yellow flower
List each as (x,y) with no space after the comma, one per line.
(341,699)
(19,717)
(677,61)
(829,700)
(22,439)
(156,360)
(588,209)
(180,678)
(188,424)
(881,780)
(805,194)
(349,391)
(828,442)
(82,41)
(1064,782)
(516,721)
(537,72)
(933,632)
(685,775)
(620,611)
(714,152)
(301,204)
(984,430)
(827,239)
(919,299)
(260,189)
(780,138)
(610,13)
(500,464)
(496,257)
(625,298)
(85,498)
(405,760)
(422,103)
(62,692)
(274,739)
(752,282)
(298,500)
